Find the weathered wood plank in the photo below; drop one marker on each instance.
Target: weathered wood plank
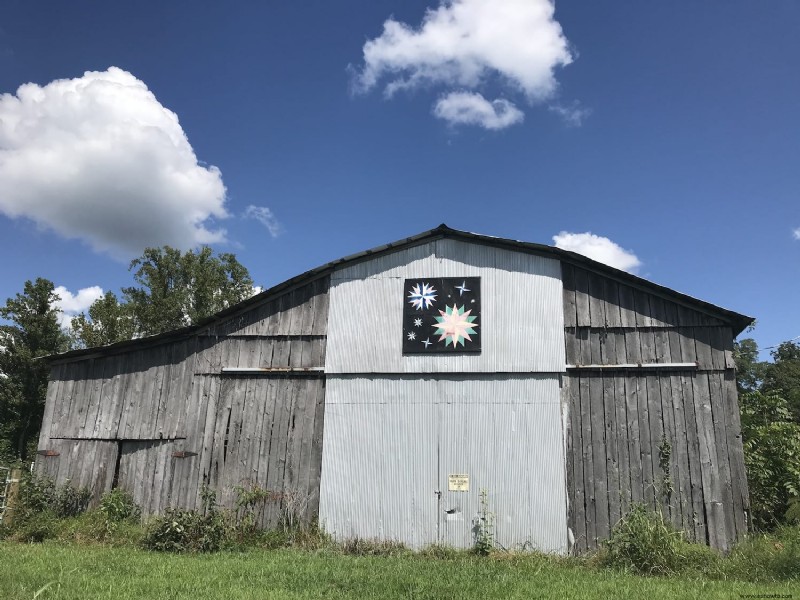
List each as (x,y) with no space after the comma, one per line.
(642,306)
(627,306)
(612,450)
(733,430)
(583,313)
(597,303)
(634,439)
(623,450)
(599,459)
(723,467)
(612,308)
(697,489)
(633,348)
(588,460)
(671,492)
(712,496)
(568,284)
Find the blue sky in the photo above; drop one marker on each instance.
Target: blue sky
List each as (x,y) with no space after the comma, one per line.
(671,129)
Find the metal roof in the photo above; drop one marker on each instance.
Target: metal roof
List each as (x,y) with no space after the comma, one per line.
(737,321)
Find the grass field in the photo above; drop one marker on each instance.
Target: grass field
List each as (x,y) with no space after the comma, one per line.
(85,572)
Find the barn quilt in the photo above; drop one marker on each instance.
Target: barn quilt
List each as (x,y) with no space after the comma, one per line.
(442,315)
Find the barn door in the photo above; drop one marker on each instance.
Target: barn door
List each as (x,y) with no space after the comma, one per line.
(145,470)
(514,453)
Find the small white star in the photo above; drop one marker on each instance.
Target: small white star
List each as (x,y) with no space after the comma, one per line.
(462,288)
(411,336)
(417,322)
(427,342)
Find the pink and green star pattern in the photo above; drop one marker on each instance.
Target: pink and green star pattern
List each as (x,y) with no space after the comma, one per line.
(455,325)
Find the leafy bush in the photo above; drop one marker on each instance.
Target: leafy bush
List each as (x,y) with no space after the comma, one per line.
(189,530)
(118,506)
(642,542)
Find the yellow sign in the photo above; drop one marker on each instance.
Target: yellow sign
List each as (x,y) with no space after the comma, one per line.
(458,483)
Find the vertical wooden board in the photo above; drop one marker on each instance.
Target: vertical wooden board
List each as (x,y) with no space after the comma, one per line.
(93,397)
(584,346)
(266,401)
(733,430)
(104,475)
(71,420)
(621,356)
(295,358)
(583,314)
(599,459)
(567,410)
(645,441)
(612,450)
(688,344)
(596,338)
(642,303)
(727,344)
(172,400)
(672,490)
(708,463)
(568,286)
(307,437)
(133,391)
(608,346)
(294,438)
(278,439)
(597,303)
(647,340)
(223,422)
(611,295)
(627,307)
(588,460)
(208,389)
(233,468)
(247,455)
(633,348)
(662,346)
(162,454)
(578,498)
(680,452)
(634,442)
(64,400)
(180,415)
(104,399)
(723,466)
(697,490)
(623,455)
(267,351)
(108,420)
(187,475)
(52,400)
(571,346)
(657,311)
(321,309)
(670,314)
(656,437)
(717,343)
(315,466)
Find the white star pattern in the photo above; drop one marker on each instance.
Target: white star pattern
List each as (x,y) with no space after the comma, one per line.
(411,336)
(427,342)
(417,322)
(422,296)
(462,288)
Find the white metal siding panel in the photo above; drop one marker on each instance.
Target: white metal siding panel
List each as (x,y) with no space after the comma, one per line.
(522,314)
(391,441)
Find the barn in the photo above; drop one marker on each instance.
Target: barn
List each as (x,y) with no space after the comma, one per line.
(398,392)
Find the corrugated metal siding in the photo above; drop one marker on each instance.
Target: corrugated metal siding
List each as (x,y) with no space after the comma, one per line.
(392,441)
(522,315)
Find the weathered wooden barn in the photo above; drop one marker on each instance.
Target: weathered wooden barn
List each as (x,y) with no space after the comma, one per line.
(387,389)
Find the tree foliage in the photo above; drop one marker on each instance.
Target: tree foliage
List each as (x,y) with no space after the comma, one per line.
(33,332)
(769,401)
(173,289)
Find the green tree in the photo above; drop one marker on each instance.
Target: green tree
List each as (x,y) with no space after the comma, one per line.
(33,331)
(174,289)
(108,321)
(749,370)
(771,440)
(782,377)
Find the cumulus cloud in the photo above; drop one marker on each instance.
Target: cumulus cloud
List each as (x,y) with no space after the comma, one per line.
(73,304)
(466,44)
(98,158)
(265,216)
(796,233)
(598,248)
(469,108)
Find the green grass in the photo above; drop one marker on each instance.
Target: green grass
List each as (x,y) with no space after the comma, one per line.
(85,572)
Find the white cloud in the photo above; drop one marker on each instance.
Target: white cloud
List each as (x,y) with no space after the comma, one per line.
(598,248)
(73,304)
(98,158)
(572,114)
(265,216)
(467,44)
(796,233)
(468,108)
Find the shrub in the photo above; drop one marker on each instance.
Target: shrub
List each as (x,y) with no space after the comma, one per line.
(117,506)
(642,542)
(189,530)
